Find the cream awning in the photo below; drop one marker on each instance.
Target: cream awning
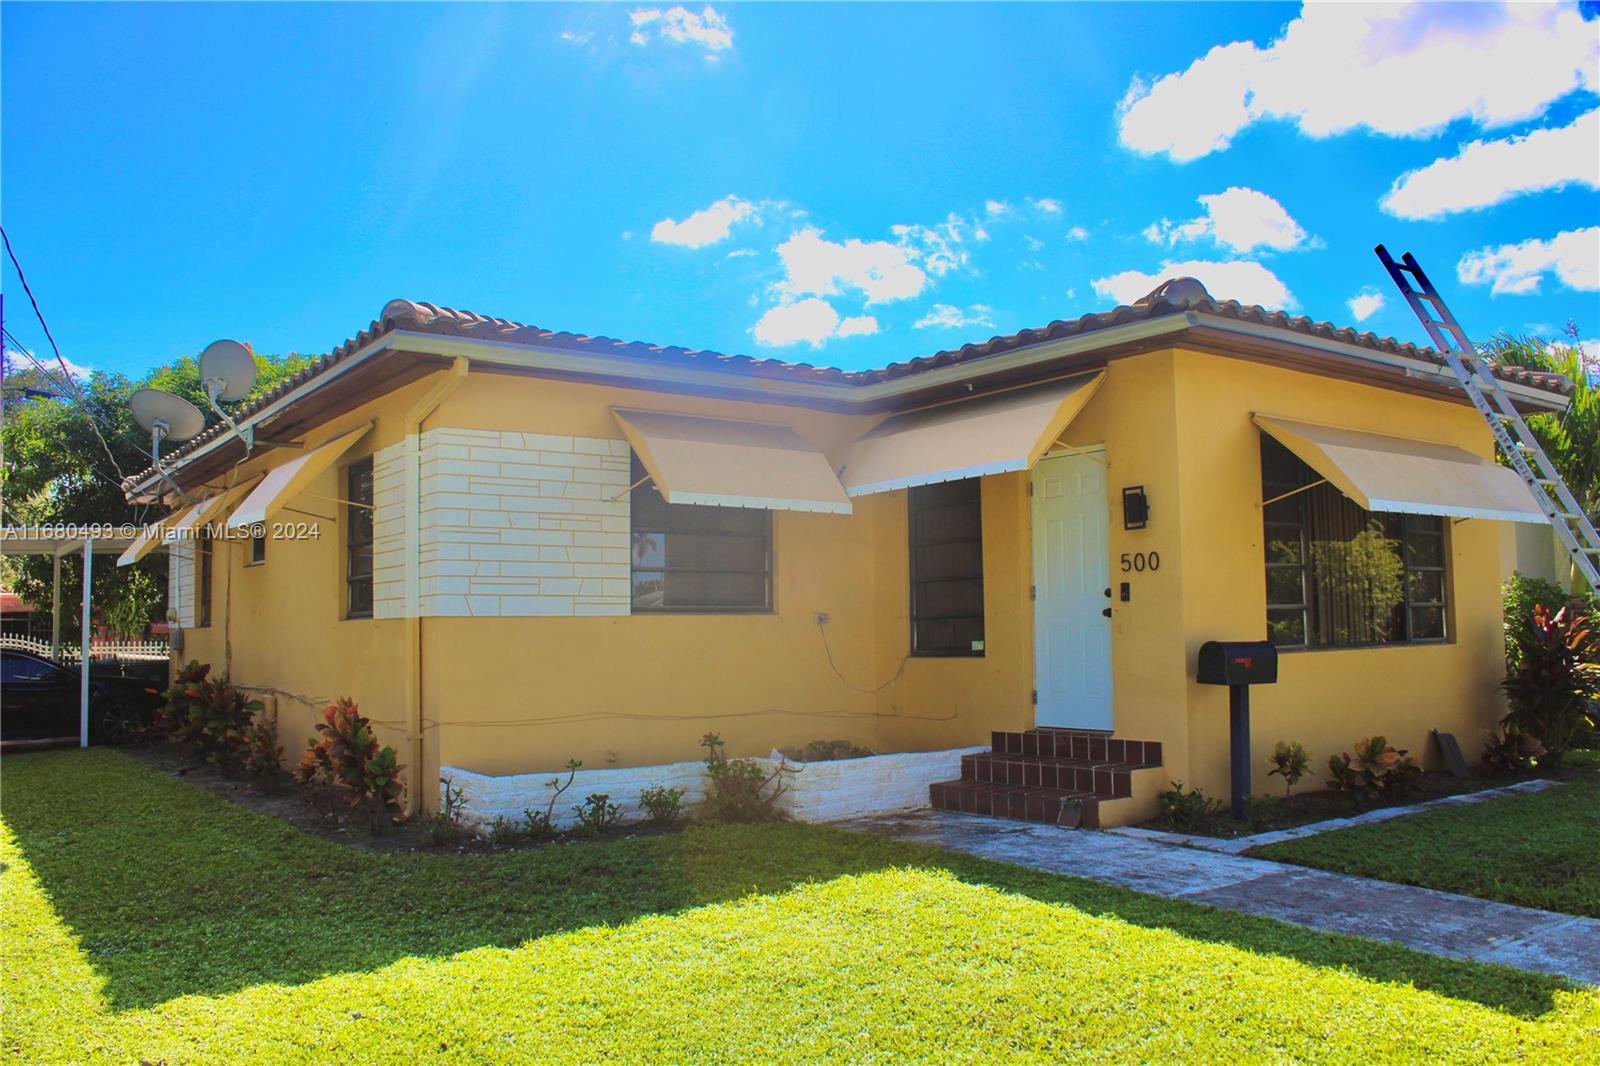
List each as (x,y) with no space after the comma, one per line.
(1397,474)
(968,438)
(726,463)
(178,525)
(284,483)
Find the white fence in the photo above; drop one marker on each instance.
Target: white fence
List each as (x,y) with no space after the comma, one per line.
(100,649)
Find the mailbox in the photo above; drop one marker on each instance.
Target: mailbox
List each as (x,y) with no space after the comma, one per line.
(1237,662)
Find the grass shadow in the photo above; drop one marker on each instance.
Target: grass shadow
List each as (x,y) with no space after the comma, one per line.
(174,891)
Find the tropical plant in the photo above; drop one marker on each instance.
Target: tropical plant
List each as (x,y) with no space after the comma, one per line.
(1186,808)
(662,806)
(597,815)
(738,788)
(263,755)
(346,758)
(1377,767)
(1509,751)
(210,716)
(446,825)
(1290,761)
(1552,690)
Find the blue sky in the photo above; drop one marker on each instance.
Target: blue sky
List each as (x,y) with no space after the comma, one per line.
(836,184)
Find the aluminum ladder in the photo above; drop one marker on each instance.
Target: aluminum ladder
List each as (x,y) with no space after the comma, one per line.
(1476,374)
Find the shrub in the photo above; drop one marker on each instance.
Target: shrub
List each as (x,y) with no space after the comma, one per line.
(348,761)
(503,832)
(1522,594)
(1552,687)
(737,791)
(662,806)
(1184,808)
(538,825)
(1376,768)
(209,715)
(827,751)
(263,755)
(1342,773)
(1290,761)
(597,815)
(1509,751)
(445,826)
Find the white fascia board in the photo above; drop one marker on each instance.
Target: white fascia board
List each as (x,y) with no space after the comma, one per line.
(523,356)
(1416,368)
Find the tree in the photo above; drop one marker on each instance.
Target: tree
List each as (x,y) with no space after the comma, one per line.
(58,470)
(1572,438)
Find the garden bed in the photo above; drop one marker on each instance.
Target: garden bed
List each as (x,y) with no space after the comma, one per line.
(1269,812)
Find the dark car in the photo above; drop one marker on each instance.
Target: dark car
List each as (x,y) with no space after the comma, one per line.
(39,699)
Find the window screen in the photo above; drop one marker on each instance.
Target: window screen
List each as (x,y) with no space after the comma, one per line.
(946,526)
(688,557)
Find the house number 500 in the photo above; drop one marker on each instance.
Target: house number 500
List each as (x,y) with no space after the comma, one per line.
(1141,561)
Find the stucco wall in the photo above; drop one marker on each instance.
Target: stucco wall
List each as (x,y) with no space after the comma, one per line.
(505,694)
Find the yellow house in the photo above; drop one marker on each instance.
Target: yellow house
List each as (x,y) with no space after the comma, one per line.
(514,547)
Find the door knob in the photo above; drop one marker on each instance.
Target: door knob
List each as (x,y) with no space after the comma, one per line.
(1108,594)
(1106,611)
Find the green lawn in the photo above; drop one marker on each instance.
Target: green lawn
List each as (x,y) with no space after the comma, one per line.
(1539,850)
(144,918)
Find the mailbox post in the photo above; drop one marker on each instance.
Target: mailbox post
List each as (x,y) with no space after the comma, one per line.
(1238,664)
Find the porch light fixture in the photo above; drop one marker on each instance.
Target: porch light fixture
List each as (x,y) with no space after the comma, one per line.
(1135,507)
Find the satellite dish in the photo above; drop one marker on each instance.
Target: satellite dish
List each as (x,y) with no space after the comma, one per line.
(166,416)
(227,370)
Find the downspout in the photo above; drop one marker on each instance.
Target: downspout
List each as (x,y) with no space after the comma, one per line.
(415,417)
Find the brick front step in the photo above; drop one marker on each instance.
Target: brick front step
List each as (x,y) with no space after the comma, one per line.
(1019,804)
(1037,774)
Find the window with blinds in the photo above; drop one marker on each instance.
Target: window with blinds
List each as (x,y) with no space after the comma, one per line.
(1342,577)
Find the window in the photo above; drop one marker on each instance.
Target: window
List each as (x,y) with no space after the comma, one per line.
(205,554)
(692,558)
(358,540)
(258,549)
(946,526)
(17,668)
(1341,577)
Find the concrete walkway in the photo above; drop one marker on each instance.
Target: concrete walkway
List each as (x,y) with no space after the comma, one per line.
(1442,923)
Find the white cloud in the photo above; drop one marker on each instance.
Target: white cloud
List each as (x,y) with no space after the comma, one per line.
(1573,256)
(948,316)
(707,225)
(809,321)
(1399,69)
(1235,279)
(856,326)
(1485,173)
(815,266)
(1077,233)
(1239,219)
(1046,206)
(1033,243)
(1364,304)
(678,25)
(996,208)
(573,37)
(940,248)
(740,253)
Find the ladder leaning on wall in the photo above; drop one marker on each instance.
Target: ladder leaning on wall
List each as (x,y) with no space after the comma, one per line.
(1476,374)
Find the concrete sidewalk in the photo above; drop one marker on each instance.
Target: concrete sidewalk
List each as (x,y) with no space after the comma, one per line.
(1442,923)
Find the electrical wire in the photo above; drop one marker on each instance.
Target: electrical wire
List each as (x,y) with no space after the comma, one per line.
(823,630)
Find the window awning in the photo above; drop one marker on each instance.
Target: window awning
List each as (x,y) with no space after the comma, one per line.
(988,435)
(727,463)
(174,525)
(1396,474)
(284,483)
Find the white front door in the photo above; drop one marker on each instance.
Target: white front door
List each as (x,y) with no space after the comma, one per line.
(1071,573)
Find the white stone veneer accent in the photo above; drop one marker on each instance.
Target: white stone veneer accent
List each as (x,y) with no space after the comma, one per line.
(819,792)
(523,524)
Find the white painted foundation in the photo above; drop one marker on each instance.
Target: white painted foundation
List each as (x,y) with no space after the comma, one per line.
(817,792)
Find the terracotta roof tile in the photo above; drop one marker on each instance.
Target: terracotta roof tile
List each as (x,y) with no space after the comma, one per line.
(1172,297)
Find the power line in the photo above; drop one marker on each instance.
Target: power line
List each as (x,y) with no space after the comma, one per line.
(93,424)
